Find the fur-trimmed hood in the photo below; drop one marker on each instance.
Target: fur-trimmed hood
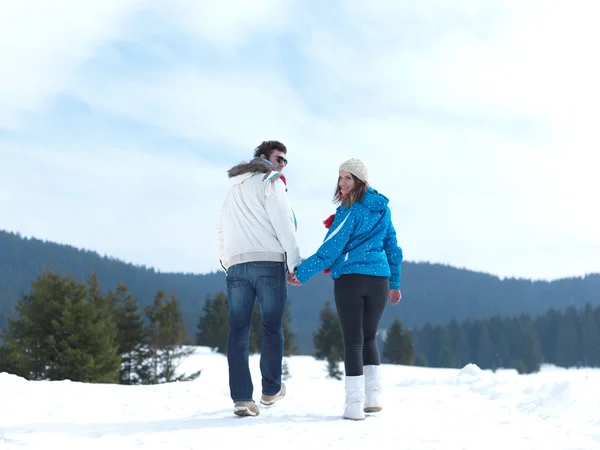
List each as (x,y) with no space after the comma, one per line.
(243,171)
(252,167)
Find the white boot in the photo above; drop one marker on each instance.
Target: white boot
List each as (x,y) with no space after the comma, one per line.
(355,398)
(372,388)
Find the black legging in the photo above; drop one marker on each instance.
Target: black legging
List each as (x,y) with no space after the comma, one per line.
(360,301)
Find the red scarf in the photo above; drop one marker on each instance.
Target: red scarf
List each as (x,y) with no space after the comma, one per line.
(327,222)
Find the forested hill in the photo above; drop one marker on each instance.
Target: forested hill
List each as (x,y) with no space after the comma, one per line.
(432,293)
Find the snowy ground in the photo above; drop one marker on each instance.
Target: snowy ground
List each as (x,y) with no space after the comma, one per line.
(424,409)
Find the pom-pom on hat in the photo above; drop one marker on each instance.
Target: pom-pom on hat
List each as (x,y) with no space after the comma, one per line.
(357,168)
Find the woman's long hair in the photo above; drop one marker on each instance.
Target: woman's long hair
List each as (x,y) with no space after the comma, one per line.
(355,195)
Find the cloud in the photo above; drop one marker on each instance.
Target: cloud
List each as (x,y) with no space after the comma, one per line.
(505,62)
(229,22)
(477,120)
(41,45)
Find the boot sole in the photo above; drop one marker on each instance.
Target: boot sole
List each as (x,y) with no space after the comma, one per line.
(271,402)
(373,409)
(242,411)
(275,399)
(354,418)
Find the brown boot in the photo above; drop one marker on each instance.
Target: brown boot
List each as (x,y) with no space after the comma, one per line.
(245,409)
(269,400)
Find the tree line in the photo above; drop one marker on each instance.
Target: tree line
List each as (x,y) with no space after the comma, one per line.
(566,339)
(432,293)
(65,329)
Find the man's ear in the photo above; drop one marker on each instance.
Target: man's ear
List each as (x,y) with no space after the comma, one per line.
(262,155)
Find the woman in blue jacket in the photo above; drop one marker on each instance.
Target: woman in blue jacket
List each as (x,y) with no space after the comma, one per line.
(361,252)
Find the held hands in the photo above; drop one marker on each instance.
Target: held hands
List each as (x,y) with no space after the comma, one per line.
(291,279)
(395,296)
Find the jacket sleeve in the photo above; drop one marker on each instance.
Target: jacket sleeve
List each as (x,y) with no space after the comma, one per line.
(283,220)
(219,243)
(331,249)
(394,255)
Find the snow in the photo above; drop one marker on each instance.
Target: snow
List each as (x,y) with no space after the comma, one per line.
(425,408)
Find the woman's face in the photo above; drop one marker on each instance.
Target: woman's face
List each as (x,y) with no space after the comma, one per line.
(346,182)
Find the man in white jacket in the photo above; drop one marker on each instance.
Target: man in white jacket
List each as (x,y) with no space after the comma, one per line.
(256,240)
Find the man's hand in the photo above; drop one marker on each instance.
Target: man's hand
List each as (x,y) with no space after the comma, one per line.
(291,279)
(395,296)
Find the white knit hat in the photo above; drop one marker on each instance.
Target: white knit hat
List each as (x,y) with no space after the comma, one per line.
(357,168)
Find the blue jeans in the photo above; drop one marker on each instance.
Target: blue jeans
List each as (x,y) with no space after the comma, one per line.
(265,281)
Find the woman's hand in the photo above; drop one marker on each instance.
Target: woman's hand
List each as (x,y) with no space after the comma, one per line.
(395,296)
(293,280)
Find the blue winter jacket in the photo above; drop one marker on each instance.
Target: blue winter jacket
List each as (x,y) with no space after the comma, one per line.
(361,240)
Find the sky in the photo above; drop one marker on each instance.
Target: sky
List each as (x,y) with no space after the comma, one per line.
(119,120)
(423,409)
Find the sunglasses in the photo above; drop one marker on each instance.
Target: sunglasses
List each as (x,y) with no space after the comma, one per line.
(281,159)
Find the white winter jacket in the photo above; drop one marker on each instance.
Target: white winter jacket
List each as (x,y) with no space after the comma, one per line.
(257,222)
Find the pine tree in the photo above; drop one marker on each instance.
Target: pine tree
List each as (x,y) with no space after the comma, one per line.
(285,370)
(460,344)
(421,339)
(103,338)
(328,339)
(484,357)
(421,360)
(520,366)
(64,330)
(441,338)
(86,338)
(590,337)
(446,359)
(130,336)
(166,333)
(333,365)
(568,340)
(531,355)
(31,332)
(213,324)
(289,337)
(221,321)
(204,333)
(546,327)
(398,347)
(503,352)
(10,358)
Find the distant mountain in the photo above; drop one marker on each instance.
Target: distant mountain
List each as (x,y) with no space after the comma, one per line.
(431,293)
